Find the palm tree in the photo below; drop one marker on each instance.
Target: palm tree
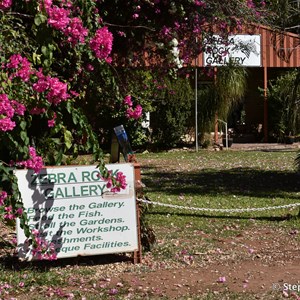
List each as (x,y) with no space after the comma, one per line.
(217,100)
(230,87)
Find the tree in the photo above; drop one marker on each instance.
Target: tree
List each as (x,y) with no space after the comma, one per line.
(285,14)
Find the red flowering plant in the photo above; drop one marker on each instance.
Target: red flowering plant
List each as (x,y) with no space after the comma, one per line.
(40,120)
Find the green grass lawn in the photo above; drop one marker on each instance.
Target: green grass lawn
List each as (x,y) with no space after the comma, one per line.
(206,179)
(220,180)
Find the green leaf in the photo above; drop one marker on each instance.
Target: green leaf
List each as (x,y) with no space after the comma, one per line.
(5,177)
(68,139)
(56,141)
(23,136)
(58,157)
(36,58)
(46,63)
(75,118)
(23,125)
(39,19)
(45,50)
(69,107)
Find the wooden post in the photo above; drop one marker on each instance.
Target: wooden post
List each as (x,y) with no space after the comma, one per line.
(265,105)
(137,255)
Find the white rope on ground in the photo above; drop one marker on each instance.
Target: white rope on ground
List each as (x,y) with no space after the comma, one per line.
(222,210)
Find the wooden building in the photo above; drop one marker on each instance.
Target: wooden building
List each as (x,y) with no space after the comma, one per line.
(279,51)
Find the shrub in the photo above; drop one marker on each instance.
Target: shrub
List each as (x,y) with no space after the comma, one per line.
(172,111)
(284,106)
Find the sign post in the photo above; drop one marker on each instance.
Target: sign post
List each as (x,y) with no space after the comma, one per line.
(72,208)
(244,50)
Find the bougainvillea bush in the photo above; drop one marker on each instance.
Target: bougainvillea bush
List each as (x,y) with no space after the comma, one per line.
(53,53)
(43,48)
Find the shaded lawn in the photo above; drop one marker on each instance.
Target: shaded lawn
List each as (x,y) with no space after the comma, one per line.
(237,181)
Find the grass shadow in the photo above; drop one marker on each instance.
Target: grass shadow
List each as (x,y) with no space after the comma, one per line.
(9,262)
(236,181)
(228,217)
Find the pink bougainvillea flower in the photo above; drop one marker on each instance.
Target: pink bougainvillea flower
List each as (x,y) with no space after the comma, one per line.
(127,101)
(250,4)
(75,31)
(122,33)
(20,66)
(101,43)
(18,107)
(7,112)
(5,4)
(37,111)
(58,17)
(14,61)
(19,211)
(137,112)
(285,294)
(46,4)
(115,184)
(108,60)
(8,213)
(113,291)
(5,106)
(51,123)
(75,94)
(57,91)
(3,196)
(89,67)
(35,162)
(41,248)
(222,279)
(6,124)
(200,3)
(121,182)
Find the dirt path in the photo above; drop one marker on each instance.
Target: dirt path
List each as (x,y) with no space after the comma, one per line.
(262,262)
(245,276)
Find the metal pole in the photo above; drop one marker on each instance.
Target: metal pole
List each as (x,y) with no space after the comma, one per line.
(196,99)
(226,132)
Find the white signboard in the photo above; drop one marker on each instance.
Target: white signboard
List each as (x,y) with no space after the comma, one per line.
(73,209)
(244,50)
